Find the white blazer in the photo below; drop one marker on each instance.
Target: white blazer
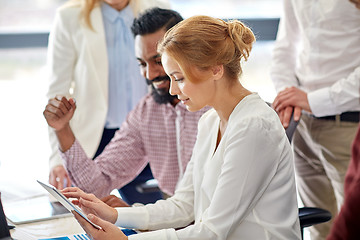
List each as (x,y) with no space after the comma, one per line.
(78,67)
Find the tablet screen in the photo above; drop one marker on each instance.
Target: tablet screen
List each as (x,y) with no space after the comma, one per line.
(65,202)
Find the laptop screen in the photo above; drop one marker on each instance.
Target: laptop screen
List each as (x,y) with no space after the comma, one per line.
(4,229)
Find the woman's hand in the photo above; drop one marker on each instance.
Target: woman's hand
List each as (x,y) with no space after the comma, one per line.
(107,231)
(91,204)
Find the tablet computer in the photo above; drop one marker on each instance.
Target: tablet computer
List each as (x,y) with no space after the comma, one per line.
(65,202)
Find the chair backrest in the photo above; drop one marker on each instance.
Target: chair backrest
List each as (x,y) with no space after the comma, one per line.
(291,128)
(292,125)
(308,216)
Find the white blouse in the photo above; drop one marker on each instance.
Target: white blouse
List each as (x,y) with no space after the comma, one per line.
(244,189)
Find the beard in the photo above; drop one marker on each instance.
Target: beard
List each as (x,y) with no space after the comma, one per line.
(161,95)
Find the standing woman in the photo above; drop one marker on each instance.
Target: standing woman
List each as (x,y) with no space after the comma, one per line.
(240,182)
(91,58)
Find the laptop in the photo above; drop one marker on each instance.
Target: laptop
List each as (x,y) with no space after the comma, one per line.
(33,209)
(4,229)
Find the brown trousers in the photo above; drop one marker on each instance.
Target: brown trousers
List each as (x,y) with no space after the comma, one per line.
(322,152)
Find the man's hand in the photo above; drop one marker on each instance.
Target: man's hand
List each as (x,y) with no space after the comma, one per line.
(107,231)
(356,2)
(291,97)
(288,101)
(91,204)
(285,115)
(57,176)
(59,111)
(114,201)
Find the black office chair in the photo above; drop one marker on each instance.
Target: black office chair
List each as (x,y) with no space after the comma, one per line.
(308,216)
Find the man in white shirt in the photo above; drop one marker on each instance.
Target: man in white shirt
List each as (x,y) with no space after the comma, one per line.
(316,71)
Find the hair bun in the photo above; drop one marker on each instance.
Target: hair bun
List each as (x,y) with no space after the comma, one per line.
(237,28)
(248,37)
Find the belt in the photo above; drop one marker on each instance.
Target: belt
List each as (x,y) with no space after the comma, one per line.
(345,117)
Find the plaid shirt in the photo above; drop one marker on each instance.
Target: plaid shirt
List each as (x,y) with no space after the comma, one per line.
(149,135)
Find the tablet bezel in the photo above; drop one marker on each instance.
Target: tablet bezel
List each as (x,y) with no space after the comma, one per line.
(66,202)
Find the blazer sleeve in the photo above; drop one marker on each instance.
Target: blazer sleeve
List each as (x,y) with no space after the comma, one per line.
(61,60)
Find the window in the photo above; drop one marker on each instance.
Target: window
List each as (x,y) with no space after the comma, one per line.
(228,9)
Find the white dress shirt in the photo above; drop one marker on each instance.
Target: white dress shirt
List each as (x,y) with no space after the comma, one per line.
(318,50)
(243,189)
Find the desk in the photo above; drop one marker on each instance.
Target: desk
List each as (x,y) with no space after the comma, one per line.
(45,229)
(13,190)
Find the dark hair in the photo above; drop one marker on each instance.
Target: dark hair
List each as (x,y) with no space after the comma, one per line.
(155,19)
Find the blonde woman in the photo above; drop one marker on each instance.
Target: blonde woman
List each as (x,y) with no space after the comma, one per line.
(91,58)
(240,181)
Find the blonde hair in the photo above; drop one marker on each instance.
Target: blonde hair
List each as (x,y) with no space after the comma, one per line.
(203,42)
(88,5)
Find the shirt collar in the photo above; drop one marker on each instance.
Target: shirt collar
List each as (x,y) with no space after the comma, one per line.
(112,14)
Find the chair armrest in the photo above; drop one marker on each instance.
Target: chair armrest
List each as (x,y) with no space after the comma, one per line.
(310,216)
(148,187)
